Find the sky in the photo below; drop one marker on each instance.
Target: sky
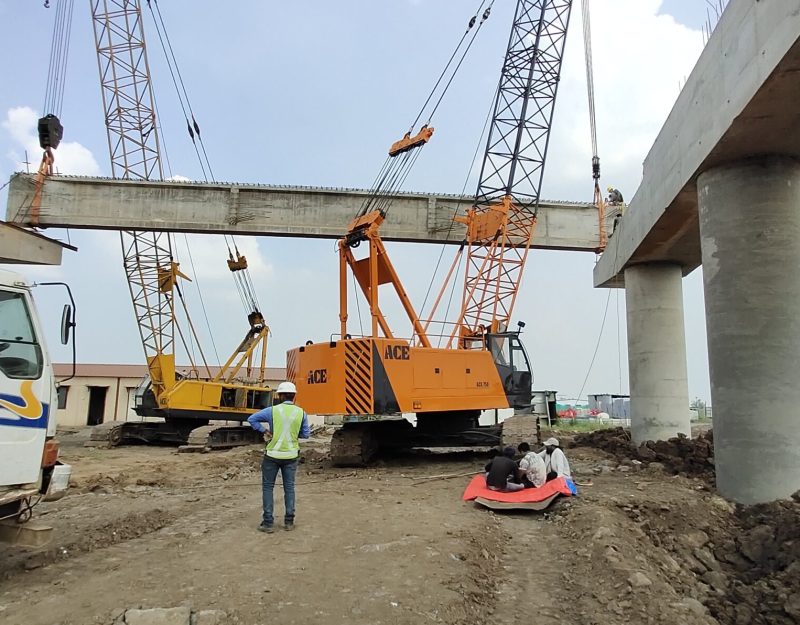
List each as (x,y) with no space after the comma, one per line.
(313,93)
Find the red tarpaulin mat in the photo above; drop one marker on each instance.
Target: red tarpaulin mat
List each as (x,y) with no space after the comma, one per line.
(559,486)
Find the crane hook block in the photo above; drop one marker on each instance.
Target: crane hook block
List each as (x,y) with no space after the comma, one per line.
(50,132)
(239,264)
(409,143)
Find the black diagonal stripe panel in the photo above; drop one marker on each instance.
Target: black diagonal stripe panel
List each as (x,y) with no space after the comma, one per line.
(384,398)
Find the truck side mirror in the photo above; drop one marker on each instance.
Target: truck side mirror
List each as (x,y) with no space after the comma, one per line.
(66,324)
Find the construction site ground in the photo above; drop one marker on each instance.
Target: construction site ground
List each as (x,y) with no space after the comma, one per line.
(147,527)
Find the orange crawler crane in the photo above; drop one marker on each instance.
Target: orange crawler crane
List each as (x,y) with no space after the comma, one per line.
(373,380)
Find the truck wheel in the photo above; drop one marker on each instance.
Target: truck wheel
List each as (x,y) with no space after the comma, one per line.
(115,436)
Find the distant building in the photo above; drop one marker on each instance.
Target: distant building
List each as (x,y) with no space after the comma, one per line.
(105,392)
(615,406)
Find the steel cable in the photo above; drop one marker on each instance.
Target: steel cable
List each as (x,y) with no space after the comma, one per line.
(471,23)
(391,177)
(59,56)
(245,285)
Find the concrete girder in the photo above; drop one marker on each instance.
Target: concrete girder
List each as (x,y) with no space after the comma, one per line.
(270,210)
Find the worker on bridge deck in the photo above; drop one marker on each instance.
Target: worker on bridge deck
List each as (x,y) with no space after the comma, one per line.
(286,424)
(614,197)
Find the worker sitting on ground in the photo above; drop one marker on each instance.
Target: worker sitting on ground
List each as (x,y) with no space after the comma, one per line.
(500,470)
(532,472)
(614,197)
(555,462)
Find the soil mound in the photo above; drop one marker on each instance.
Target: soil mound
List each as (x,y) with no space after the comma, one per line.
(679,455)
(763,561)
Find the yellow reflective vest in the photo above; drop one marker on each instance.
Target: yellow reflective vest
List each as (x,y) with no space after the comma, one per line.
(286,422)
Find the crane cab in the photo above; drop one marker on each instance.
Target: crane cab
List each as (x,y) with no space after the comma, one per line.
(513,367)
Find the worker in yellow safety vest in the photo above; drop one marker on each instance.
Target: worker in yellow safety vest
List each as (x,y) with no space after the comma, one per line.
(282,426)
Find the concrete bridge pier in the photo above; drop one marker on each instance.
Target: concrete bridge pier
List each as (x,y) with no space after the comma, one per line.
(750,241)
(656,352)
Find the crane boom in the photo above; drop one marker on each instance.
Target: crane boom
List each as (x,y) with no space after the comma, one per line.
(133,143)
(502,222)
(185,401)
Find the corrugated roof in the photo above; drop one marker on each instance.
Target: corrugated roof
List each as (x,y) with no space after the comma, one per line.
(99,370)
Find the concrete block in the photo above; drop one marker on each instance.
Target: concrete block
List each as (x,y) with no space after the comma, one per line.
(31,534)
(210,617)
(18,246)
(159,616)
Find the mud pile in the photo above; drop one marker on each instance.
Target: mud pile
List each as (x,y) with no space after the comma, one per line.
(762,560)
(615,441)
(742,563)
(104,484)
(678,455)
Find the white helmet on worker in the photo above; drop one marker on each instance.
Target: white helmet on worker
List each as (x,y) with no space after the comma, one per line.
(551,442)
(286,388)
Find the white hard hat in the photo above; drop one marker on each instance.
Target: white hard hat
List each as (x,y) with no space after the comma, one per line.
(551,442)
(287,388)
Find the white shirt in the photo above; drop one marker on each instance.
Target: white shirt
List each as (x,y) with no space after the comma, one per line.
(534,468)
(556,461)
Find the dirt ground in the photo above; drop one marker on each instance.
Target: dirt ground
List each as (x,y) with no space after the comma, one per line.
(644,543)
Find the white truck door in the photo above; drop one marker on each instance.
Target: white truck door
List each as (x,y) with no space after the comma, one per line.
(25,389)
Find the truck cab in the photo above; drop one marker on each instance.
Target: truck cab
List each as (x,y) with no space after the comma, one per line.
(29,468)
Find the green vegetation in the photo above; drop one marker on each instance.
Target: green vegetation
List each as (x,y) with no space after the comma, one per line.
(581,425)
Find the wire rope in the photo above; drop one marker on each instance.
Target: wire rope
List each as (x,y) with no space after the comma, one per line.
(59,56)
(395,171)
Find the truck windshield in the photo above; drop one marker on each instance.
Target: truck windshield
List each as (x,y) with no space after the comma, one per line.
(20,353)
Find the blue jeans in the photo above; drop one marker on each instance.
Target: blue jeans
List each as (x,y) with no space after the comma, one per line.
(269,471)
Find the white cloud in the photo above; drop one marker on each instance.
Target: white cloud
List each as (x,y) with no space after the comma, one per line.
(209,254)
(71,157)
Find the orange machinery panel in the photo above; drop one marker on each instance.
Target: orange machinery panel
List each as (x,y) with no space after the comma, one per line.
(385,376)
